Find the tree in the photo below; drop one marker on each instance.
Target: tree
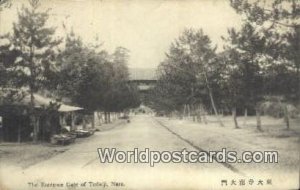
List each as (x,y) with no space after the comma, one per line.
(36,44)
(190,71)
(279,22)
(9,75)
(93,79)
(83,73)
(233,82)
(247,49)
(120,60)
(5,4)
(120,95)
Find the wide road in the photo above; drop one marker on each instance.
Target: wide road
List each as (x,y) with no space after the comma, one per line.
(81,163)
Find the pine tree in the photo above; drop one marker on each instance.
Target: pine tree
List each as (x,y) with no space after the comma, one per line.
(246,48)
(34,40)
(279,23)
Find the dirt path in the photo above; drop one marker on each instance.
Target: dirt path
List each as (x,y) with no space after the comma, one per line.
(80,164)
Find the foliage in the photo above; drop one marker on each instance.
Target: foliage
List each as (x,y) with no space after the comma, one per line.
(84,74)
(279,23)
(188,73)
(243,58)
(94,79)
(31,53)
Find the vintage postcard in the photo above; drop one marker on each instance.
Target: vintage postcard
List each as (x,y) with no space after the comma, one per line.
(149,94)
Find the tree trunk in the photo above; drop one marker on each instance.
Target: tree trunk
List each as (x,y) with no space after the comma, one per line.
(297,60)
(298,82)
(194,118)
(215,109)
(1,134)
(33,118)
(234,118)
(204,119)
(19,132)
(100,118)
(212,100)
(204,114)
(245,116)
(184,111)
(105,117)
(199,119)
(93,120)
(188,111)
(112,115)
(194,109)
(258,119)
(286,117)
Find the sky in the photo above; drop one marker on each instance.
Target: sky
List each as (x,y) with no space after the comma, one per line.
(145,27)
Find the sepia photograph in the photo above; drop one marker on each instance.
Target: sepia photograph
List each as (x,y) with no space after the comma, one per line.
(149,94)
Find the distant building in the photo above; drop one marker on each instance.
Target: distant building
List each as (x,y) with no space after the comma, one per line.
(144,78)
